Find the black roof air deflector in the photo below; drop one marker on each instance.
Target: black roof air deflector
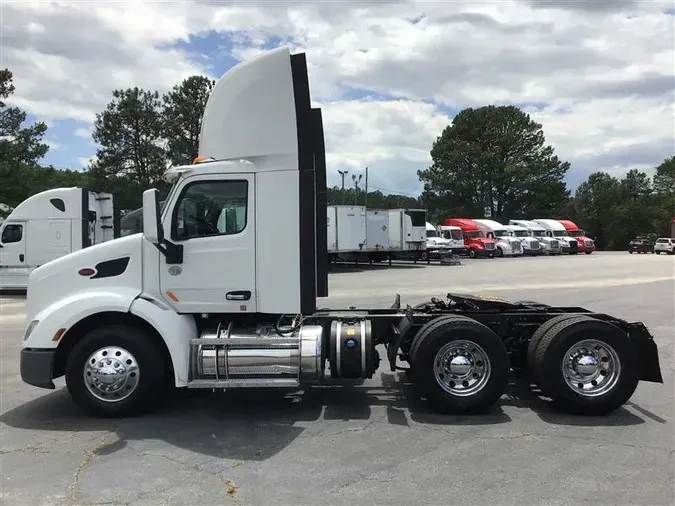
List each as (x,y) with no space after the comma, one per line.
(307,210)
(321,200)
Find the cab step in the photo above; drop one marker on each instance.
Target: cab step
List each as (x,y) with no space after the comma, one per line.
(245,383)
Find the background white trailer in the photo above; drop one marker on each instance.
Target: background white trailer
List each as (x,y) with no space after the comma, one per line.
(407,233)
(49,225)
(377,229)
(346,231)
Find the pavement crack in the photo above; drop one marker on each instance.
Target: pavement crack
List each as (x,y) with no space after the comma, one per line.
(88,457)
(36,448)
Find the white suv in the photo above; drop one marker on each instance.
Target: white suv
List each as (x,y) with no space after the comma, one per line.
(664,244)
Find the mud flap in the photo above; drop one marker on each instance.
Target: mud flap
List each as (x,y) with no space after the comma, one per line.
(648,353)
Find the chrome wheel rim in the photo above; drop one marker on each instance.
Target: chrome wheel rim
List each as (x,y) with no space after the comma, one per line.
(591,368)
(111,374)
(462,368)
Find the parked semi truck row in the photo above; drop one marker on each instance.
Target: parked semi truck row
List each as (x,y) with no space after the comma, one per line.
(209,301)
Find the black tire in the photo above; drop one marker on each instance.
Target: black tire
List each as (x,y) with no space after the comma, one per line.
(150,385)
(432,337)
(536,338)
(629,251)
(548,365)
(424,256)
(472,253)
(500,252)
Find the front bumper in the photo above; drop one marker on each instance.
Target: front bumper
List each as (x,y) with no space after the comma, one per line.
(37,367)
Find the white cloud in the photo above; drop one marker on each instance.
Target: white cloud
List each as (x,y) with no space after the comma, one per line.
(601,73)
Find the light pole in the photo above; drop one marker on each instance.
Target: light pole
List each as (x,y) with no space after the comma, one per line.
(356,180)
(342,193)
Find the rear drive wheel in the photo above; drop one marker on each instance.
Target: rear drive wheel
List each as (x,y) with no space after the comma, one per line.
(586,365)
(115,371)
(536,338)
(459,365)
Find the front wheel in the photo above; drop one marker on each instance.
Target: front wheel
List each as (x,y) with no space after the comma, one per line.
(459,365)
(114,371)
(472,253)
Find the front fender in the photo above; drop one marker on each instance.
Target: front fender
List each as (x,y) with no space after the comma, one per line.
(175,329)
(66,312)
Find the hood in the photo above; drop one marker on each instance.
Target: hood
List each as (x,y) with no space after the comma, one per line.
(486,240)
(438,240)
(60,278)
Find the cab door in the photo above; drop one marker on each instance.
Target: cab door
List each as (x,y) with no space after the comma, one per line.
(13,266)
(13,244)
(213,219)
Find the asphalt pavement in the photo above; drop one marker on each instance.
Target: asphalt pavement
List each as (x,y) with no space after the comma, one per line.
(371,444)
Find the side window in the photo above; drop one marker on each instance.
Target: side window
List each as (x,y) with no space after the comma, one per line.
(12,233)
(210,208)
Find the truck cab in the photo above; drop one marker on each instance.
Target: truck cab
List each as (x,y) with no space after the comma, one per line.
(585,244)
(548,245)
(522,234)
(506,244)
(533,245)
(454,235)
(477,243)
(555,231)
(49,225)
(436,245)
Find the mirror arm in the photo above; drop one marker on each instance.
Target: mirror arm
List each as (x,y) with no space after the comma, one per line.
(171,251)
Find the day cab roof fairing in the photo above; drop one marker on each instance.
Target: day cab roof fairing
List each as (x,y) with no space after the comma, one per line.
(569,225)
(463,223)
(260,111)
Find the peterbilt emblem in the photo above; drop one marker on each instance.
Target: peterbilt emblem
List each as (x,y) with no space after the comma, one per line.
(175,270)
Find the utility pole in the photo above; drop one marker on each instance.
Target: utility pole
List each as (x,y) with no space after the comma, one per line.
(356,180)
(365,199)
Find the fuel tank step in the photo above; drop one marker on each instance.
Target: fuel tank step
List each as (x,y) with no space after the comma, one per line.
(245,383)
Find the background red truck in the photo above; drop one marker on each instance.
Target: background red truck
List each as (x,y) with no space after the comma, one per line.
(474,238)
(586,244)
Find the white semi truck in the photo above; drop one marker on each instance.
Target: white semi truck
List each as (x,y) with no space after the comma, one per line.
(557,231)
(201,302)
(548,245)
(506,244)
(527,241)
(49,225)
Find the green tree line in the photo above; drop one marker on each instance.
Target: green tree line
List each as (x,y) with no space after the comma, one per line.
(491,161)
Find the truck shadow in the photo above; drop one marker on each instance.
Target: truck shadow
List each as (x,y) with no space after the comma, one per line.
(256,425)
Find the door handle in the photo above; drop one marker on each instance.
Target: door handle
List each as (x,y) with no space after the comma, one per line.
(238,295)
(21,257)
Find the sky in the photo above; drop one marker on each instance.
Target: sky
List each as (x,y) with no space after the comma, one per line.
(599,75)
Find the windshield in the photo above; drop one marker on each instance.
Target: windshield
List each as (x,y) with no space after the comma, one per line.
(521,233)
(473,234)
(453,234)
(576,233)
(501,233)
(432,233)
(539,233)
(560,233)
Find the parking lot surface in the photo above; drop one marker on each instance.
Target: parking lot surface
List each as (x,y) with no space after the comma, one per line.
(370,444)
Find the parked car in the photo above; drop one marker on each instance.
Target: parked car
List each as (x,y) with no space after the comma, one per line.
(640,245)
(664,244)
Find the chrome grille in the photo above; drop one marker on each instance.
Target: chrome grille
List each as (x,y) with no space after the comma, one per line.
(490,245)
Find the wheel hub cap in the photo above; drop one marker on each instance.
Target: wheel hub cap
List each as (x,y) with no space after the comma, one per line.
(462,368)
(111,374)
(591,367)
